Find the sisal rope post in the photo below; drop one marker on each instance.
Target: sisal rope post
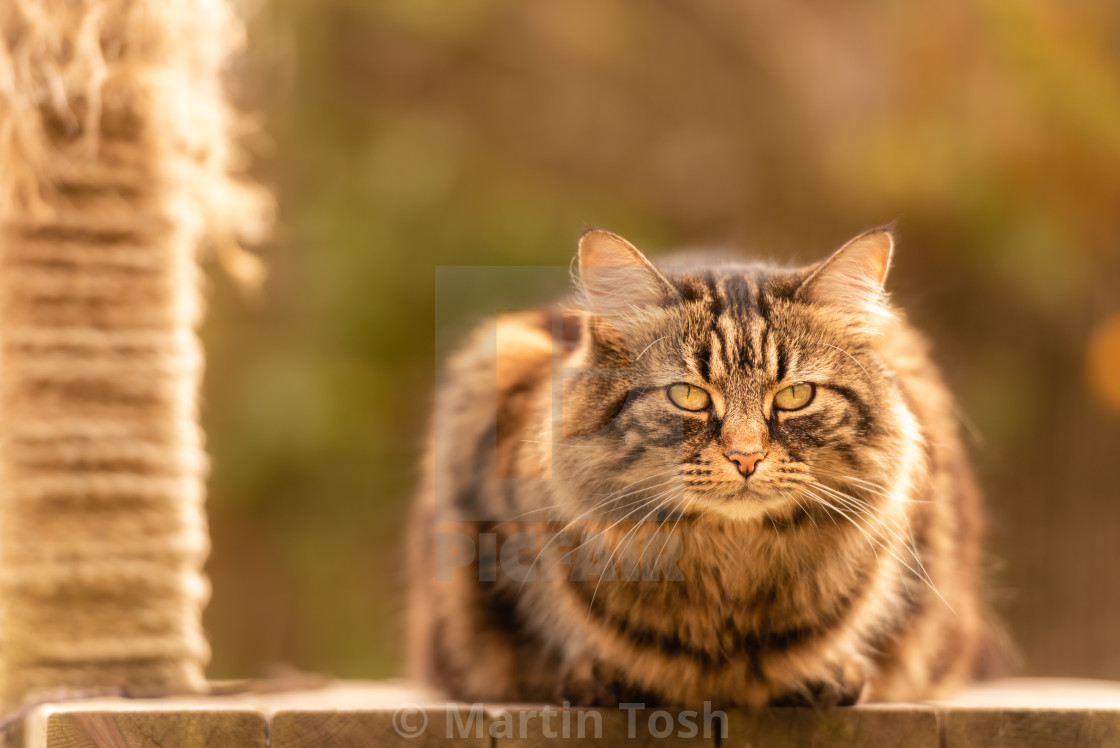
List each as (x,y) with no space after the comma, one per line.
(115,163)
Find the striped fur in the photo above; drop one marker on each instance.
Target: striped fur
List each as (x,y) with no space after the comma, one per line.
(844,568)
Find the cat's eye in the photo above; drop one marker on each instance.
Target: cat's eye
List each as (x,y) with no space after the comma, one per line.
(794,397)
(688,397)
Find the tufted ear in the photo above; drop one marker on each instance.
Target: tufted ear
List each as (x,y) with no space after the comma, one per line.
(851,280)
(616,277)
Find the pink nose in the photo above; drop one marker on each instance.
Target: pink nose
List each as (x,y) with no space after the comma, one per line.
(746,462)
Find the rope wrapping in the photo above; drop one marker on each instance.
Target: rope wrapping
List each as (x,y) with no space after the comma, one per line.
(115,164)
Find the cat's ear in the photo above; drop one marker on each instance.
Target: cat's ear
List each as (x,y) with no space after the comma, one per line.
(851,280)
(616,277)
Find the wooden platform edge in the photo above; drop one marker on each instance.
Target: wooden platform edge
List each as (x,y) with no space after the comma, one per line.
(1022,712)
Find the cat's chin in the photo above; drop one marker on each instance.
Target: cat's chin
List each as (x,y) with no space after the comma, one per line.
(747,507)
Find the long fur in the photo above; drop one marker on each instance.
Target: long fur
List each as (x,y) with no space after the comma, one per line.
(844,568)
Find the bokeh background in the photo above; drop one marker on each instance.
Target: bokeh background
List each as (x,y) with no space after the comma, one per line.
(411,134)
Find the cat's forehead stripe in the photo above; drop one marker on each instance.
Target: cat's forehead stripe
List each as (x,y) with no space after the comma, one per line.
(730,332)
(717,360)
(757,354)
(702,359)
(738,324)
(738,332)
(775,355)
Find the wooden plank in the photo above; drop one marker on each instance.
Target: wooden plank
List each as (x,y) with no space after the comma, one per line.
(1033,713)
(145,723)
(380,715)
(980,727)
(869,725)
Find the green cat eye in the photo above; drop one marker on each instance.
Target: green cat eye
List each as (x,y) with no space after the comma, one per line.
(794,397)
(688,397)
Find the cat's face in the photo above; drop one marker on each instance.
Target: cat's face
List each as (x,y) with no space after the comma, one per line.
(736,389)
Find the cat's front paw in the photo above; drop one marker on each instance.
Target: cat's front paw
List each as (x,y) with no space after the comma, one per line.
(821,695)
(587,682)
(844,688)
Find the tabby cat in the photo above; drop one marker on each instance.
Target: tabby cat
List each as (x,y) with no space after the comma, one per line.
(734,483)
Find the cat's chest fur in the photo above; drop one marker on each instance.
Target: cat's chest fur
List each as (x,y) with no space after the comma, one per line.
(739,608)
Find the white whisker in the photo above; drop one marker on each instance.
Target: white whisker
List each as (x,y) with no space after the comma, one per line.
(922,574)
(618,547)
(559,444)
(651,345)
(853,358)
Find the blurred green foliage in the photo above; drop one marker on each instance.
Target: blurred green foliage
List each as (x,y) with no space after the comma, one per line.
(409,134)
